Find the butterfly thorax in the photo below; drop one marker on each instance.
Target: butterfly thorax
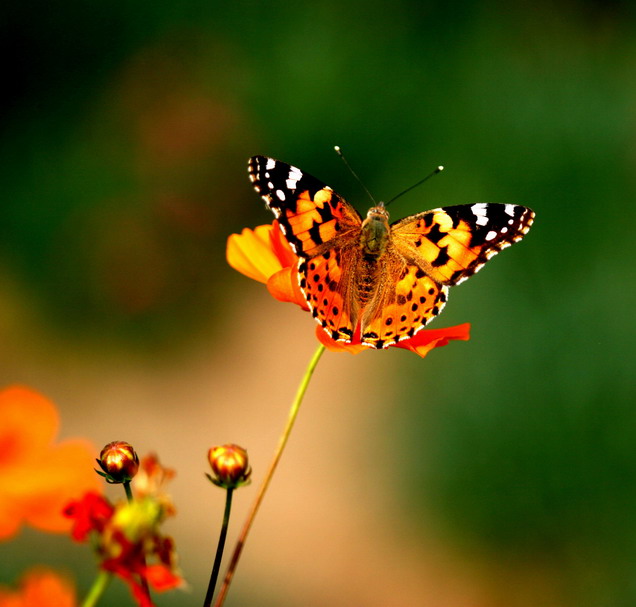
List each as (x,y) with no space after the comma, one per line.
(375,232)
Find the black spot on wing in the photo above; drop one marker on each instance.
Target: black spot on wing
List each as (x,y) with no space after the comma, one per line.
(314,233)
(434,234)
(442,257)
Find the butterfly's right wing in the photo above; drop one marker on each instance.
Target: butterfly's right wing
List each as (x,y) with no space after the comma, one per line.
(453,243)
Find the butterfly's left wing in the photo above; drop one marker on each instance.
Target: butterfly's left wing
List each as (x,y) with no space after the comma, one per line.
(311,215)
(452,243)
(322,229)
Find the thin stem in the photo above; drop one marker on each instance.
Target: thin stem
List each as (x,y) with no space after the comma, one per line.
(144,582)
(293,412)
(128,491)
(97,589)
(219,549)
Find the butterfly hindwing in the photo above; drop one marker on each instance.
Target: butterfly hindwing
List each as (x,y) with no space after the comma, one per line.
(324,283)
(310,213)
(452,243)
(398,313)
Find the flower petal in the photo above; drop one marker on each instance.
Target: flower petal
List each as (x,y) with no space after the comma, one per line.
(421,343)
(38,478)
(161,578)
(29,424)
(42,587)
(252,254)
(427,339)
(283,285)
(338,346)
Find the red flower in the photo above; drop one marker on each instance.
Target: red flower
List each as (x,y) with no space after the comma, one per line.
(128,541)
(263,254)
(91,513)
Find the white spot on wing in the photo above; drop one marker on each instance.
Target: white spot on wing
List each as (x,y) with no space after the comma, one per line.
(295,175)
(271,163)
(492,234)
(479,209)
(280,195)
(510,210)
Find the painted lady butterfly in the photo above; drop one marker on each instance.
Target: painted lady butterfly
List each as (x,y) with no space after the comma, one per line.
(370,280)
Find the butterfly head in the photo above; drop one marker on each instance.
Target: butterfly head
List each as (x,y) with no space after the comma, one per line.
(375,232)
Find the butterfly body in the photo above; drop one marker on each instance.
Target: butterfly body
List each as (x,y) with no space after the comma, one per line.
(370,280)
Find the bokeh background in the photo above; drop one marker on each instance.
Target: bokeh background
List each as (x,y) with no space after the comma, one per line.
(496,472)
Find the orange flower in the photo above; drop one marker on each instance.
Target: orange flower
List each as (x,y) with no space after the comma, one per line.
(38,477)
(39,587)
(264,255)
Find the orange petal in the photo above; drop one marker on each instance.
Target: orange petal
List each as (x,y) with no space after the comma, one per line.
(427,339)
(29,422)
(37,478)
(251,253)
(40,587)
(283,285)
(67,476)
(338,346)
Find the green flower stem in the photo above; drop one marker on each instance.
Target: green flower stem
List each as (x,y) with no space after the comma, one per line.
(144,582)
(128,491)
(219,549)
(97,589)
(293,412)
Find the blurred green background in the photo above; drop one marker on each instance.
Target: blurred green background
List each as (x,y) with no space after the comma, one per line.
(497,472)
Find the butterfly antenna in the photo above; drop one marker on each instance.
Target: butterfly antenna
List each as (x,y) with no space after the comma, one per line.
(364,187)
(439,169)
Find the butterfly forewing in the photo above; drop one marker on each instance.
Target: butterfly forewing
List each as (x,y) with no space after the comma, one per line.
(310,213)
(452,243)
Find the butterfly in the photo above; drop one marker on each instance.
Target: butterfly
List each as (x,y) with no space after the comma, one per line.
(366,279)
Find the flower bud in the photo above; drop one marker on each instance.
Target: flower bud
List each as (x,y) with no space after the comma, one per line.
(230,466)
(119,461)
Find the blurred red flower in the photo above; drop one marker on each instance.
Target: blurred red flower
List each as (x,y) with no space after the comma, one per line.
(264,254)
(128,541)
(37,476)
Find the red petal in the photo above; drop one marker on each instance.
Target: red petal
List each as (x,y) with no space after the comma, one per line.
(427,339)
(161,578)
(421,343)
